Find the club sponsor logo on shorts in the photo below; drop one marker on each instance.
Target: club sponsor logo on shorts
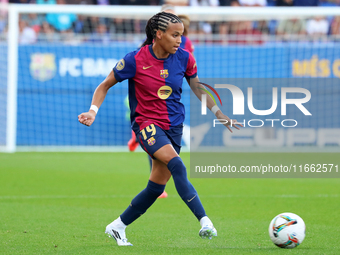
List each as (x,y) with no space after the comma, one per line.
(43,66)
(151,141)
(164,73)
(120,65)
(164,92)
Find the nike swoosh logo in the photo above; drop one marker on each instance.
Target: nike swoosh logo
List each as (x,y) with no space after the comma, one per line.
(144,68)
(189,200)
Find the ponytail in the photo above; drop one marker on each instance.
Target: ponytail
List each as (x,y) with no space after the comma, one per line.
(149,35)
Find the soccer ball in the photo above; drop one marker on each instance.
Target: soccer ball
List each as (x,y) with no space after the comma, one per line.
(287,230)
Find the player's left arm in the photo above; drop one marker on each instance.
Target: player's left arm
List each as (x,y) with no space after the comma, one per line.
(198,90)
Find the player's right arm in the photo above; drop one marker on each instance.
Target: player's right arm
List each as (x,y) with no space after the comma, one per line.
(124,69)
(87,118)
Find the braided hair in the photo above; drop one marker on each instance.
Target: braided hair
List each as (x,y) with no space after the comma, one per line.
(160,21)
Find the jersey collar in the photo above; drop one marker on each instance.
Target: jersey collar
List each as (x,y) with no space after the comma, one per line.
(153,54)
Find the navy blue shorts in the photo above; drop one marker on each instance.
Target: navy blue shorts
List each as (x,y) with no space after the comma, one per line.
(153,138)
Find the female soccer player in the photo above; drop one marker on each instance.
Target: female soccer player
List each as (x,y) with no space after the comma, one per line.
(155,73)
(185,44)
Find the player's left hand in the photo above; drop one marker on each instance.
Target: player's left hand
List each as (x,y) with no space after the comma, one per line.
(230,123)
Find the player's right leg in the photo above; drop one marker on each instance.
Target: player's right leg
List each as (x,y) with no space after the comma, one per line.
(137,207)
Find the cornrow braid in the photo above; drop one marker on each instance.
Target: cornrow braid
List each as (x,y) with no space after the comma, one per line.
(159,21)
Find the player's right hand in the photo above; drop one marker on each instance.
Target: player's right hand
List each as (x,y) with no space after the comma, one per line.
(87,118)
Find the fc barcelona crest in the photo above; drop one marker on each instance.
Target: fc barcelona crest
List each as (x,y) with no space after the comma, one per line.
(43,66)
(164,73)
(151,141)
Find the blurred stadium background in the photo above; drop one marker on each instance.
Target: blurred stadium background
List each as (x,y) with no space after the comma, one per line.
(54,54)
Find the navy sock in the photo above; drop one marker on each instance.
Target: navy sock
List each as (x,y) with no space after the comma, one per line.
(142,202)
(184,188)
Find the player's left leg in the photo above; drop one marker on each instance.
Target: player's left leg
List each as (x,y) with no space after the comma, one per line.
(116,230)
(185,189)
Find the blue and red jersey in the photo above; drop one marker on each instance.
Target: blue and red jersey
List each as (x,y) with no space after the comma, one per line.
(155,86)
(187,44)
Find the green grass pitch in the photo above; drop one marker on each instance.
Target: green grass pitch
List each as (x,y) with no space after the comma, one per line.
(60,203)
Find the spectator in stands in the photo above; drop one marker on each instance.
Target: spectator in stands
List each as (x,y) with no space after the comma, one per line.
(284,3)
(48,34)
(227,30)
(223,30)
(317,27)
(61,21)
(105,2)
(79,23)
(26,34)
(228,2)
(305,2)
(204,2)
(253,2)
(46,2)
(34,20)
(130,2)
(245,33)
(177,2)
(127,2)
(121,26)
(262,26)
(86,25)
(100,35)
(335,26)
(3,22)
(3,11)
(291,29)
(204,27)
(20,1)
(82,2)
(329,3)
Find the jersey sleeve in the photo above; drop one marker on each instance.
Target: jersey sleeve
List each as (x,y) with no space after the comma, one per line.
(125,68)
(191,70)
